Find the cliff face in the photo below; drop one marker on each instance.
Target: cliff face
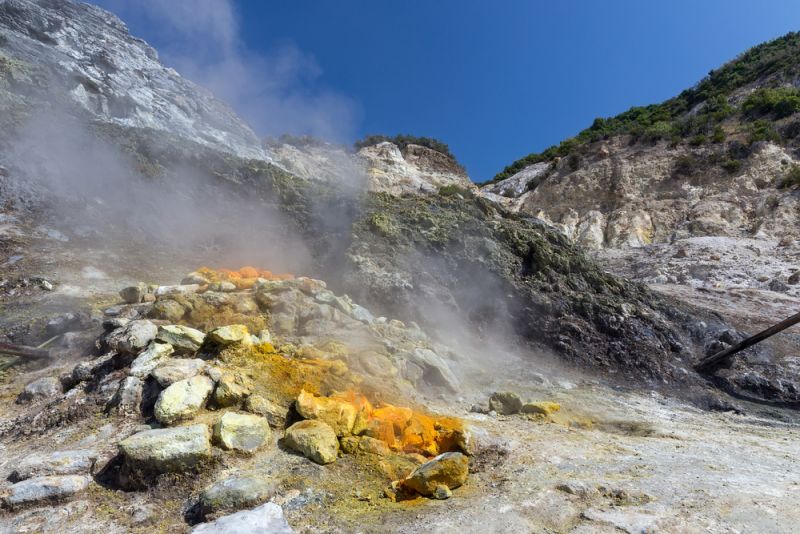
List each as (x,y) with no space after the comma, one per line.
(379,168)
(76,58)
(630,196)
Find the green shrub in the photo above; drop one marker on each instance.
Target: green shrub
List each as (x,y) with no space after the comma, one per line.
(686,165)
(718,135)
(453,190)
(402,141)
(762,130)
(697,140)
(791,179)
(732,166)
(778,102)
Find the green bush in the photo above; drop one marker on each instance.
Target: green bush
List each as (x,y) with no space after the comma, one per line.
(453,190)
(762,130)
(402,141)
(778,102)
(792,178)
(697,140)
(732,166)
(686,165)
(719,135)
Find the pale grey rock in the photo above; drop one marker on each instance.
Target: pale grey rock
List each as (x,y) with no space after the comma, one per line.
(89,59)
(45,489)
(235,334)
(76,462)
(241,432)
(381,168)
(165,291)
(167,449)
(42,388)
(236,493)
(265,519)
(133,337)
(128,398)
(434,367)
(148,359)
(183,399)
(133,294)
(183,338)
(175,369)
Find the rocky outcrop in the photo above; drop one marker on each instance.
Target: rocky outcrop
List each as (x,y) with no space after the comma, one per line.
(83,58)
(379,168)
(631,196)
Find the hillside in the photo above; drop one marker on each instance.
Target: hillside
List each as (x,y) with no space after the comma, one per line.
(203,332)
(747,97)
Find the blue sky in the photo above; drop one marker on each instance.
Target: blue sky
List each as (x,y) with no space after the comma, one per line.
(494,80)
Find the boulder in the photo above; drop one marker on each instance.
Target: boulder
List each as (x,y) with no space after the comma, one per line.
(183,338)
(43,388)
(373,446)
(45,488)
(128,398)
(164,291)
(168,310)
(313,439)
(339,414)
(232,389)
(449,469)
(436,370)
(505,402)
(176,369)
(541,407)
(241,432)
(257,404)
(149,358)
(77,462)
(167,449)
(236,493)
(235,334)
(266,519)
(183,399)
(194,278)
(133,294)
(133,337)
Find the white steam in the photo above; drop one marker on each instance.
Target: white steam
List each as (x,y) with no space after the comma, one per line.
(277,92)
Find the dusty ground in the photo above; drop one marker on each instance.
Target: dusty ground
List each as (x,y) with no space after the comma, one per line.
(610,461)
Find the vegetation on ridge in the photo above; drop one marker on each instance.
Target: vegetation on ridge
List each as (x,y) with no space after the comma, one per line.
(403,140)
(695,115)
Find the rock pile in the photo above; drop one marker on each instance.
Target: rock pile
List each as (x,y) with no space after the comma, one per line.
(231,362)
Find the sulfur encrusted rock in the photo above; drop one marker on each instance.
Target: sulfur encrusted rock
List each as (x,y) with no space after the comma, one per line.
(339,414)
(313,439)
(232,389)
(541,407)
(183,399)
(167,449)
(183,338)
(449,469)
(241,432)
(505,402)
(235,334)
(259,405)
